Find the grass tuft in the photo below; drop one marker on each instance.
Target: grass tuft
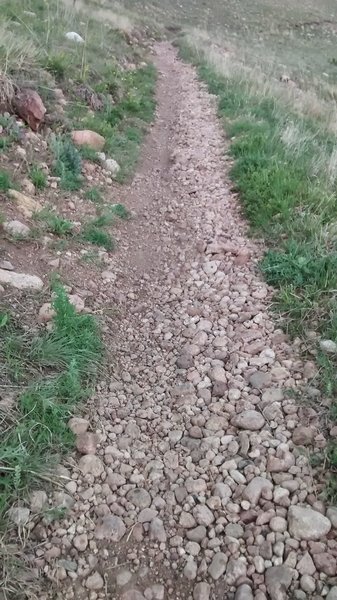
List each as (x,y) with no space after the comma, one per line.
(68,163)
(57,369)
(38,177)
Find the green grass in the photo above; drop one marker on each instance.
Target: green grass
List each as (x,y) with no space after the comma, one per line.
(68,163)
(93,234)
(56,371)
(55,224)
(94,194)
(120,211)
(38,177)
(5,181)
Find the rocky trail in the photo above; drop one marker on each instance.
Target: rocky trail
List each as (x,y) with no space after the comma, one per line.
(192,478)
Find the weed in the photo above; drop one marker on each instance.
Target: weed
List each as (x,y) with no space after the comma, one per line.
(38,177)
(5,181)
(55,224)
(57,64)
(98,237)
(88,153)
(68,163)
(58,368)
(94,195)
(120,211)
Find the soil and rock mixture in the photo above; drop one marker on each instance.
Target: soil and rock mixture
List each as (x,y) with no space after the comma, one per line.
(191,477)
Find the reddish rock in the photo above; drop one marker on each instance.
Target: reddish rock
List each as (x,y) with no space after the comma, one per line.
(89,138)
(325,563)
(29,106)
(86,443)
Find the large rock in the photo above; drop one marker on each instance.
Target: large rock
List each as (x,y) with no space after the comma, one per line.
(27,206)
(256,488)
(244,592)
(201,591)
(89,138)
(16,228)
(29,106)
(249,419)
(19,515)
(203,515)
(139,497)
(218,565)
(72,36)
(236,568)
(112,166)
(110,528)
(278,580)
(86,443)
(21,281)
(94,581)
(307,524)
(91,465)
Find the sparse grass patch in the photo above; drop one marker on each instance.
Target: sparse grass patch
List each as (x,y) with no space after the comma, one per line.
(5,181)
(68,163)
(57,369)
(55,224)
(97,236)
(94,194)
(120,211)
(38,177)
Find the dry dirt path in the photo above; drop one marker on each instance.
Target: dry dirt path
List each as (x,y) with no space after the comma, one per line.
(197,488)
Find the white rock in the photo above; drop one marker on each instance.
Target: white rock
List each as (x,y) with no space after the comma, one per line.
(74,37)
(112,166)
(19,515)
(307,524)
(21,281)
(328,346)
(95,582)
(249,419)
(16,228)
(91,465)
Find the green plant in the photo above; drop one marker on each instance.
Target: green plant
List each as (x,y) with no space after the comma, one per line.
(57,369)
(55,224)
(68,164)
(88,153)
(94,195)
(98,237)
(120,211)
(5,181)
(57,64)
(38,177)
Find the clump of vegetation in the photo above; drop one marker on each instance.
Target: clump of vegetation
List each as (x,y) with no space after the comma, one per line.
(57,370)
(38,177)
(5,181)
(120,211)
(10,131)
(68,163)
(93,234)
(55,224)
(94,195)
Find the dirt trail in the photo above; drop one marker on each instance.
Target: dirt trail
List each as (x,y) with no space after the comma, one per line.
(197,489)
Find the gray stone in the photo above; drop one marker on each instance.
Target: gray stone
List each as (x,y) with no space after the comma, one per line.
(328,346)
(190,569)
(203,515)
(132,595)
(81,542)
(249,419)
(244,592)
(305,565)
(19,515)
(123,577)
(157,530)
(218,565)
(110,528)
(16,228)
(78,425)
(201,591)
(256,488)
(112,166)
(234,530)
(278,580)
(146,515)
(307,524)
(332,595)
(21,281)
(38,500)
(94,582)
(197,534)
(260,380)
(91,465)
(236,568)
(307,584)
(139,497)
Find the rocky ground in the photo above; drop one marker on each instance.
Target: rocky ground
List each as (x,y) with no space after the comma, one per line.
(192,478)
